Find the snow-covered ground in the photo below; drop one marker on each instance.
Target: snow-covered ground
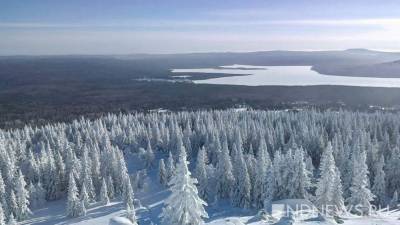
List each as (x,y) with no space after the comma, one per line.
(222,214)
(151,202)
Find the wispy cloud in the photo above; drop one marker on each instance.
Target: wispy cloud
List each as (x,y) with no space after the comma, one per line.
(171,36)
(382,22)
(216,23)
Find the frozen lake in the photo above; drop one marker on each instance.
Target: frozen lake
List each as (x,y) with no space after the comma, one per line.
(284,76)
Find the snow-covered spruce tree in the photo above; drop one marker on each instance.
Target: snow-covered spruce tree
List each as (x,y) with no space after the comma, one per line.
(328,181)
(3,197)
(2,217)
(170,166)
(51,180)
(127,194)
(290,175)
(379,187)
(104,193)
(262,165)
(12,204)
(37,195)
(84,196)
(224,173)
(395,200)
(393,172)
(149,155)
(130,214)
(22,197)
(269,192)
(301,176)
(61,175)
(251,163)
(240,196)
(338,200)
(360,196)
(11,220)
(110,187)
(183,206)
(162,173)
(201,174)
(74,208)
(82,208)
(87,182)
(95,166)
(120,173)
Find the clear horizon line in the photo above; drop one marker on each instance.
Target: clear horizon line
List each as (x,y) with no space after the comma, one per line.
(202,52)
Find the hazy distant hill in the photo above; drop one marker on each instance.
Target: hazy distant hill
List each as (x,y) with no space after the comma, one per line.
(386,69)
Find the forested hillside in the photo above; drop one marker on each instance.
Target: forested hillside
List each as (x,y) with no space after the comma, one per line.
(39,89)
(248,158)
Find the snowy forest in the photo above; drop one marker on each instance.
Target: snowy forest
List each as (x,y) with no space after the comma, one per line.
(248,158)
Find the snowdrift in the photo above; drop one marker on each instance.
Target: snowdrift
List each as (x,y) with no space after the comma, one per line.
(119,221)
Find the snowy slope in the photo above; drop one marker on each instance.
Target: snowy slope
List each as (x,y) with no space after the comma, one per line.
(151,203)
(221,214)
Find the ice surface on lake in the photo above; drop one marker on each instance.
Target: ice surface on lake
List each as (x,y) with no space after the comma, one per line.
(285,76)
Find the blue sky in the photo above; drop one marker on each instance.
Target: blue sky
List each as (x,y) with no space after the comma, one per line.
(171,26)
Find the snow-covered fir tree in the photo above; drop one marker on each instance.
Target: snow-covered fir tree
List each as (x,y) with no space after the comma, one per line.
(261,183)
(395,200)
(84,196)
(110,187)
(12,220)
(2,216)
(170,166)
(224,172)
(201,174)
(22,197)
(162,173)
(127,194)
(74,206)
(37,195)
(149,156)
(361,196)
(130,214)
(184,197)
(379,187)
(241,188)
(104,199)
(329,193)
